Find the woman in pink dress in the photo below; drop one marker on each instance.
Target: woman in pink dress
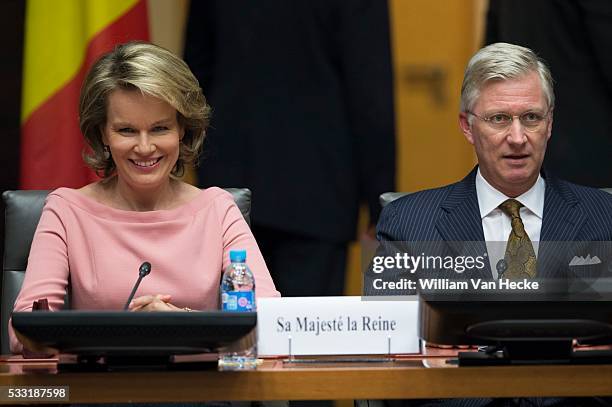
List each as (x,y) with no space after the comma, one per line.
(144,117)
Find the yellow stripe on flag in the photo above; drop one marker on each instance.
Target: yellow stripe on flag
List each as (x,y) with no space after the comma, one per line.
(71,23)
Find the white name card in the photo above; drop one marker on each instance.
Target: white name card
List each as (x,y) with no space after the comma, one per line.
(336,326)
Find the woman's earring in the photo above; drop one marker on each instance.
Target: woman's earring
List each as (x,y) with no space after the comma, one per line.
(107,153)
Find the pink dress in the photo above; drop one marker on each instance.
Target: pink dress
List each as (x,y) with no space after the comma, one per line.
(98,250)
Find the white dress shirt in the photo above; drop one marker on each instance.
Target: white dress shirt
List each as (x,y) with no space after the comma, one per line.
(496,224)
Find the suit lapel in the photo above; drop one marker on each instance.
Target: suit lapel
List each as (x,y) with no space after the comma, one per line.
(563,219)
(460,224)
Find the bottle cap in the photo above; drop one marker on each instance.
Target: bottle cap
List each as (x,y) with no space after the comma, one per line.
(237,256)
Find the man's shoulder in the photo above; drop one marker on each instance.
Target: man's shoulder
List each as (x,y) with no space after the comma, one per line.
(586,196)
(414,216)
(589,207)
(428,199)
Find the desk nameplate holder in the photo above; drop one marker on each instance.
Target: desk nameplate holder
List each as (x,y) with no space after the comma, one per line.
(386,358)
(346,329)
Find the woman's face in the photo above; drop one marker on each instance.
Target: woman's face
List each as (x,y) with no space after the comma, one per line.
(144,137)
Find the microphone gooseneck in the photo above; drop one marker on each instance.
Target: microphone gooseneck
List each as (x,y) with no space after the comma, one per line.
(144,270)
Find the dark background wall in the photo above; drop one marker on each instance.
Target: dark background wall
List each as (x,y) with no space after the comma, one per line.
(11,32)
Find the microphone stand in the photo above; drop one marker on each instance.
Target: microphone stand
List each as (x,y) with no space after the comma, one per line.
(145,269)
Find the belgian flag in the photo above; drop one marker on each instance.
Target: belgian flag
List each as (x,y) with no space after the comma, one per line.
(62,40)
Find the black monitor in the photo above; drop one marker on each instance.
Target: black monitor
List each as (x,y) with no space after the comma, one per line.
(135,334)
(518,332)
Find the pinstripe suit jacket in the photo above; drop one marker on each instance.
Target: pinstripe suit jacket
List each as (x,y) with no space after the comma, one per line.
(572,213)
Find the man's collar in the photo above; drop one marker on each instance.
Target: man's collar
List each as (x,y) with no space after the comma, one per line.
(490,198)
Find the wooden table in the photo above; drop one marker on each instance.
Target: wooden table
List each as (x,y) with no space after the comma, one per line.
(422,376)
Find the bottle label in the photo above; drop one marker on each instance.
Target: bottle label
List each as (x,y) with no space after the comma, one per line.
(237,301)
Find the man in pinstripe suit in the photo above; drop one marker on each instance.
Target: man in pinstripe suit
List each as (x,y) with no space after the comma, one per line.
(506,113)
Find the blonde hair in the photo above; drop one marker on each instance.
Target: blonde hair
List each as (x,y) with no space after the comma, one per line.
(156,72)
(502,61)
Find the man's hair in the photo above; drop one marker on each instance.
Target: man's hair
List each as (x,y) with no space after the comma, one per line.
(502,61)
(155,72)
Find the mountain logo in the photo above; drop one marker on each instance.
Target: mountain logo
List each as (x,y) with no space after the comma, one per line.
(585,261)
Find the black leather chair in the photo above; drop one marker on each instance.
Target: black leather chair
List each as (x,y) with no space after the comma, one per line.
(22,213)
(388,197)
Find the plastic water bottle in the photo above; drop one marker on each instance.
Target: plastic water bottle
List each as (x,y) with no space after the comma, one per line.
(238,295)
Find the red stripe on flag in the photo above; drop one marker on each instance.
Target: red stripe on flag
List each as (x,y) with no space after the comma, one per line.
(51,142)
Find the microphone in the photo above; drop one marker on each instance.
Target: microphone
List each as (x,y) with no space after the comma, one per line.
(501,266)
(144,270)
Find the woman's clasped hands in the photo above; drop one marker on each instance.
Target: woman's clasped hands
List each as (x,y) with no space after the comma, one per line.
(158,302)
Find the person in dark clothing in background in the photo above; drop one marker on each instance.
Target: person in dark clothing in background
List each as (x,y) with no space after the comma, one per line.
(575,38)
(302,101)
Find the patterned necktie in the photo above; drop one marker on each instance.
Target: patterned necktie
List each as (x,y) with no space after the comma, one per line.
(520,257)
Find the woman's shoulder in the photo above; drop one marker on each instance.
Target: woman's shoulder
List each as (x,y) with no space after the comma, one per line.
(215,195)
(65,195)
(84,196)
(69,199)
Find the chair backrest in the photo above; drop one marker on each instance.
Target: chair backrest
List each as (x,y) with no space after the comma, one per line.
(388,197)
(21,216)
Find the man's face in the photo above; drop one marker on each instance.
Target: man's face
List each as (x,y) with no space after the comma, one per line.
(509,159)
